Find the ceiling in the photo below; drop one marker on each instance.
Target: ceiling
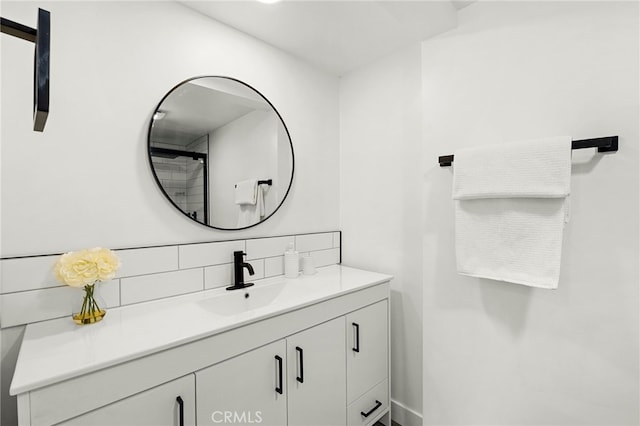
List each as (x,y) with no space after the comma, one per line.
(337,36)
(200,106)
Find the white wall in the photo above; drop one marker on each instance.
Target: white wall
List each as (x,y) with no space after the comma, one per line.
(86,181)
(380,203)
(504,354)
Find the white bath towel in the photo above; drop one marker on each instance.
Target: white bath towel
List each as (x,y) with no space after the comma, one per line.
(510,208)
(246,192)
(251,214)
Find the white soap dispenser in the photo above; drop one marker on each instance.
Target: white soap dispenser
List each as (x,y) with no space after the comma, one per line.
(291,262)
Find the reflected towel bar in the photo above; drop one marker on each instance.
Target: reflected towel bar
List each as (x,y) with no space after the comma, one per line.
(261,182)
(606,144)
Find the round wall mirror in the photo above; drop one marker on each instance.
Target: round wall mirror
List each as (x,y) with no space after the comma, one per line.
(220,152)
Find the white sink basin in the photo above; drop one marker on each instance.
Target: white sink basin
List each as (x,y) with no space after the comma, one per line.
(234,302)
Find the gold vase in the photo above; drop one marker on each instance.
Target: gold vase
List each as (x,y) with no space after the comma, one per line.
(90,311)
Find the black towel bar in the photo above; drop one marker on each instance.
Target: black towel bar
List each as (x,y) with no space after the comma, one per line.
(606,144)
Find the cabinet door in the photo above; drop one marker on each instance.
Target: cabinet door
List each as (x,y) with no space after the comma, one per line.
(367,349)
(157,406)
(316,375)
(247,389)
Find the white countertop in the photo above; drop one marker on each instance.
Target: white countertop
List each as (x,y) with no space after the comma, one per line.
(57,350)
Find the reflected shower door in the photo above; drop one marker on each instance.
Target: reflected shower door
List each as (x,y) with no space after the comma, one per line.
(183,177)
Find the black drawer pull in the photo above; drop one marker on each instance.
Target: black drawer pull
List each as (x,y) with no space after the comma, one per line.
(181,410)
(300,378)
(279,387)
(356,338)
(368,413)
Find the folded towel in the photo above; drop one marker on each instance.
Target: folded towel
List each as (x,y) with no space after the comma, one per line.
(538,168)
(246,192)
(510,208)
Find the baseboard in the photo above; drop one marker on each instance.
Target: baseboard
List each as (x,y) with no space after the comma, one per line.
(404,416)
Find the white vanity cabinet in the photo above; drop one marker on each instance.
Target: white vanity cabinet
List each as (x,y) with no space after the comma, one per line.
(317,355)
(170,404)
(316,375)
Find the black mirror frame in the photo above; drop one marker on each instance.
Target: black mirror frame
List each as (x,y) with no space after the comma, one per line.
(164,192)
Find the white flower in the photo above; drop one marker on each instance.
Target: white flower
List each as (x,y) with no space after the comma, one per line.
(81,268)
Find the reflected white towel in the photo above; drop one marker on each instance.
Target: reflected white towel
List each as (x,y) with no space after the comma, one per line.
(246,192)
(510,208)
(252,214)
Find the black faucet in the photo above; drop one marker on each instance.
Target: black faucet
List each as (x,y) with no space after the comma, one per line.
(238,271)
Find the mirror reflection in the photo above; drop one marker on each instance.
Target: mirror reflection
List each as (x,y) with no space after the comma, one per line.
(220,152)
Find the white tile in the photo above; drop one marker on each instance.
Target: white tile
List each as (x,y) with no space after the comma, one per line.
(268,247)
(36,305)
(326,257)
(274,266)
(206,254)
(28,273)
(336,239)
(310,242)
(150,260)
(43,304)
(109,292)
(218,276)
(164,284)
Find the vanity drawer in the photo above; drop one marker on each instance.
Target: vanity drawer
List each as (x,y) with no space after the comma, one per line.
(378,396)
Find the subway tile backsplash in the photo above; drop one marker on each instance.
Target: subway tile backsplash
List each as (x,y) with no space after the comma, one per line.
(156,286)
(143,261)
(206,254)
(29,291)
(268,247)
(218,276)
(38,305)
(29,273)
(274,266)
(312,242)
(326,257)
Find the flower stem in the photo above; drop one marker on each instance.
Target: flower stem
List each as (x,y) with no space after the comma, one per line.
(93,300)
(83,310)
(90,309)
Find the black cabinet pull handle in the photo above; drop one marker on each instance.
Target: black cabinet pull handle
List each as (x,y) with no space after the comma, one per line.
(300,378)
(356,348)
(181,410)
(368,413)
(279,387)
